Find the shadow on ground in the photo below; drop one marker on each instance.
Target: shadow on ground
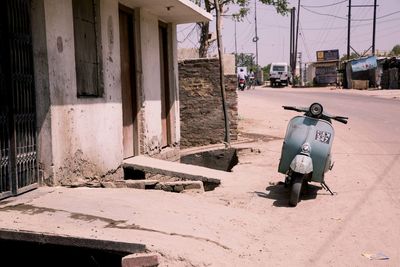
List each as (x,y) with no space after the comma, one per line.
(281,195)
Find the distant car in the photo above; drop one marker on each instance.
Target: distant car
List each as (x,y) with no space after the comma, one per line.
(280,74)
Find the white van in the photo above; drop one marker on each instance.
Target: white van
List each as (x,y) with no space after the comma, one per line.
(280,74)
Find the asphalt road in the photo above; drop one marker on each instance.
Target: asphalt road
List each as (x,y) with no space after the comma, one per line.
(364,215)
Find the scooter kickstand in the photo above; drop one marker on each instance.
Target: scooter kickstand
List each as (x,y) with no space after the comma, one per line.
(326,187)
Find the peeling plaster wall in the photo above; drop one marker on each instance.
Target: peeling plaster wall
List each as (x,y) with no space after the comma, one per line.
(152,83)
(92,125)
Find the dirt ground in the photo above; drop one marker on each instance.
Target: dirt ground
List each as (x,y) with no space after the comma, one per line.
(246,221)
(323,230)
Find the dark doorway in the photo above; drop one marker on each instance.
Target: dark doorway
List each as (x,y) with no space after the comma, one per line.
(165,89)
(18,163)
(128,82)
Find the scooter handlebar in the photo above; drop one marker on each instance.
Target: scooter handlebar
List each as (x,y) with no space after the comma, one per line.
(341,119)
(299,109)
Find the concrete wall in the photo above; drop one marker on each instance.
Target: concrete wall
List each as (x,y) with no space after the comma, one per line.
(92,127)
(202,119)
(152,83)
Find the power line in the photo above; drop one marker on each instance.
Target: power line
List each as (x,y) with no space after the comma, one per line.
(305,43)
(329,15)
(345,27)
(333,4)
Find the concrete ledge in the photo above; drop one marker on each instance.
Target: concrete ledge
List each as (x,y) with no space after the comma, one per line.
(175,169)
(44,238)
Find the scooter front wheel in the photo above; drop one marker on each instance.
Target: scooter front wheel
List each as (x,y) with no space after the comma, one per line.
(296,189)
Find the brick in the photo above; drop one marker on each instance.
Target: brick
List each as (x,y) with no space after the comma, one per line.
(108,185)
(140,260)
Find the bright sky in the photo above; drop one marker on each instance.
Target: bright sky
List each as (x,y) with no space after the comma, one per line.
(317,32)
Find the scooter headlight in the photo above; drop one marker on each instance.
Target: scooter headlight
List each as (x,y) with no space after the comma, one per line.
(316,109)
(306,149)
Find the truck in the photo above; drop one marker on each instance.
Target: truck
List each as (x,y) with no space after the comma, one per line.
(280,74)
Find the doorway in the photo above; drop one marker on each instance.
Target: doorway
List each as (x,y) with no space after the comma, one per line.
(128,82)
(18,141)
(165,86)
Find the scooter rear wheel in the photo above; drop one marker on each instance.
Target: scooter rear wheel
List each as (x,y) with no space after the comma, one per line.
(296,189)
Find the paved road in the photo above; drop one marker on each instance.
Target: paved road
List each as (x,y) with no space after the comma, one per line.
(364,216)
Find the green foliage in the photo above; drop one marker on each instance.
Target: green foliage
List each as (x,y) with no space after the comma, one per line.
(265,70)
(395,51)
(246,60)
(352,56)
(281,7)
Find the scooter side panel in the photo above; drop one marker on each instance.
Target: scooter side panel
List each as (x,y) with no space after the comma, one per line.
(318,133)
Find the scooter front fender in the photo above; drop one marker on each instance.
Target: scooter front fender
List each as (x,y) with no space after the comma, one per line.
(302,164)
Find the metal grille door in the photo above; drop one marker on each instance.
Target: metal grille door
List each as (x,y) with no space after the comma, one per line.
(17,100)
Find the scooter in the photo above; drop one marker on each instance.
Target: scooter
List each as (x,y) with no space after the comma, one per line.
(306,150)
(242,84)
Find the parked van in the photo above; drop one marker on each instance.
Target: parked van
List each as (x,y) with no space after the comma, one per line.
(280,74)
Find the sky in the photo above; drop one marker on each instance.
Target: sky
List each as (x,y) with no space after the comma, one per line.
(324,31)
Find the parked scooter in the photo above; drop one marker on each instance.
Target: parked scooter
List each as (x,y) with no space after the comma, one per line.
(306,150)
(242,84)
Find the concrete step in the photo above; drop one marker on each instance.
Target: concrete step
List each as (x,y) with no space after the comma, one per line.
(209,177)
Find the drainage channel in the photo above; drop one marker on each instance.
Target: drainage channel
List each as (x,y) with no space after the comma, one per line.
(32,249)
(219,159)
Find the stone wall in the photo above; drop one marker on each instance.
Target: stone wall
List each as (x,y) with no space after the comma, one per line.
(201,112)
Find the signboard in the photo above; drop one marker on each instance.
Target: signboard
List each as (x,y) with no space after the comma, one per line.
(363,64)
(325,74)
(328,55)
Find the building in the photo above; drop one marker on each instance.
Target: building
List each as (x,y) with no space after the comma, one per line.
(91,80)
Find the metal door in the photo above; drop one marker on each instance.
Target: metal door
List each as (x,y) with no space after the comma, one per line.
(18,163)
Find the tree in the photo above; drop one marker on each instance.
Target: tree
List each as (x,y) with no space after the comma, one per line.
(281,7)
(352,56)
(266,70)
(245,60)
(395,51)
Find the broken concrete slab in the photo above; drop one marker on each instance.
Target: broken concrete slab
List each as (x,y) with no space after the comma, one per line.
(141,260)
(211,178)
(180,186)
(141,184)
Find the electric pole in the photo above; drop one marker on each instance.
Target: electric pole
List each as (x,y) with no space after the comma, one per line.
(300,69)
(255,39)
(297,37)
(348,30)
(374,29)
(292,23)
(349,25)
(235,49)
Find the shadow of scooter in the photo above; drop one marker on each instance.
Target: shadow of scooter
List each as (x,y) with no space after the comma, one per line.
(279,193)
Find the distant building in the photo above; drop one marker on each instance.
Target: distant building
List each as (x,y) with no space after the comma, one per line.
(325,70)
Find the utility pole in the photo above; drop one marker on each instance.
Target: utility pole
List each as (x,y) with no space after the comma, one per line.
(349,25)
(300,69)
(292,44)
(218,12)
(235,49)
(255,39)
(348,30)
(373,30)
(297,36)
